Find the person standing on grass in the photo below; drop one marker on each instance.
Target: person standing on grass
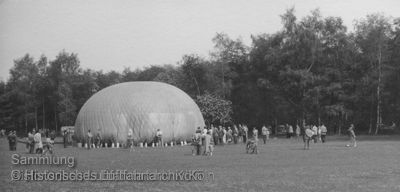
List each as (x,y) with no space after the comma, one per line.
(31,142)
(315,130)
(205,130)
(208,144)
(129,139)
(240,133)
(352,136)
(264,131)
(196,142)
(2,133)
(38,142)
(10,140)
(98,139)
(229,135)
(319,133)
(221,135)
(297,132)
(308,134)
(89,139)
(324,131)
(15,140)
(235,134)
(255,134)
(224,138)
(290,131)
(245,133)
(65,138)
(159,137)
(215,134)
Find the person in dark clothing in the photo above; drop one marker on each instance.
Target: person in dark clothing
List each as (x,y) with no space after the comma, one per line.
(221,135)
(235,133)
(65,138)
(10,140)
(215,133)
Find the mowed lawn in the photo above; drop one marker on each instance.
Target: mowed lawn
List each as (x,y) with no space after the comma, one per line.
(281,165)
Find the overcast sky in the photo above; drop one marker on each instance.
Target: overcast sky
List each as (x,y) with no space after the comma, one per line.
(113,34)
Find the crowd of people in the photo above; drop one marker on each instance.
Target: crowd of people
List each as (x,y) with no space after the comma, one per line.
(35,143)
(203,140)
(237,134)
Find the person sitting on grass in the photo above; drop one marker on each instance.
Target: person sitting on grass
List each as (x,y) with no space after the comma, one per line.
(251,146)
(48,147)
(53,135)
(352,136)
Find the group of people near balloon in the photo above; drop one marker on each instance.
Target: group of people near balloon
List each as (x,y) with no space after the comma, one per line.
(204,139)
(35,143)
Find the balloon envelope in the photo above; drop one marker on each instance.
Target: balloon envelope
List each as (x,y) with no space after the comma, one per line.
(142,106)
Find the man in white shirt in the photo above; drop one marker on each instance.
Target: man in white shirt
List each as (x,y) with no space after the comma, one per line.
(38,142)
(264,131)
(290,131)
(315,130)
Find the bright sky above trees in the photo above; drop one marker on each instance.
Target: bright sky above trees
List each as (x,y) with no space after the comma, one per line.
(111,35)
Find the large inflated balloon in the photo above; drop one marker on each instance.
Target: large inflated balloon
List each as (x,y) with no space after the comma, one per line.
(142,106)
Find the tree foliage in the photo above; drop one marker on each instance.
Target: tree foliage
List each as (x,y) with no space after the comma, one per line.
(310,71)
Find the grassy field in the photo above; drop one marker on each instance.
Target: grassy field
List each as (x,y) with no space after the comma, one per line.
(281,165)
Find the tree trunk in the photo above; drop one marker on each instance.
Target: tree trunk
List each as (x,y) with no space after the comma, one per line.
(223,79)
(370,119)
(26,122)
(44,115)
(378,94)
(340,125)
(55,118)
(36,119)
(197,85)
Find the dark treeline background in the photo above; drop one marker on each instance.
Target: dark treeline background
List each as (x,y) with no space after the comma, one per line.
(313,70)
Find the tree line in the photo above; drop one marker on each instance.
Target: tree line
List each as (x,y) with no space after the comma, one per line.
(312,70)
